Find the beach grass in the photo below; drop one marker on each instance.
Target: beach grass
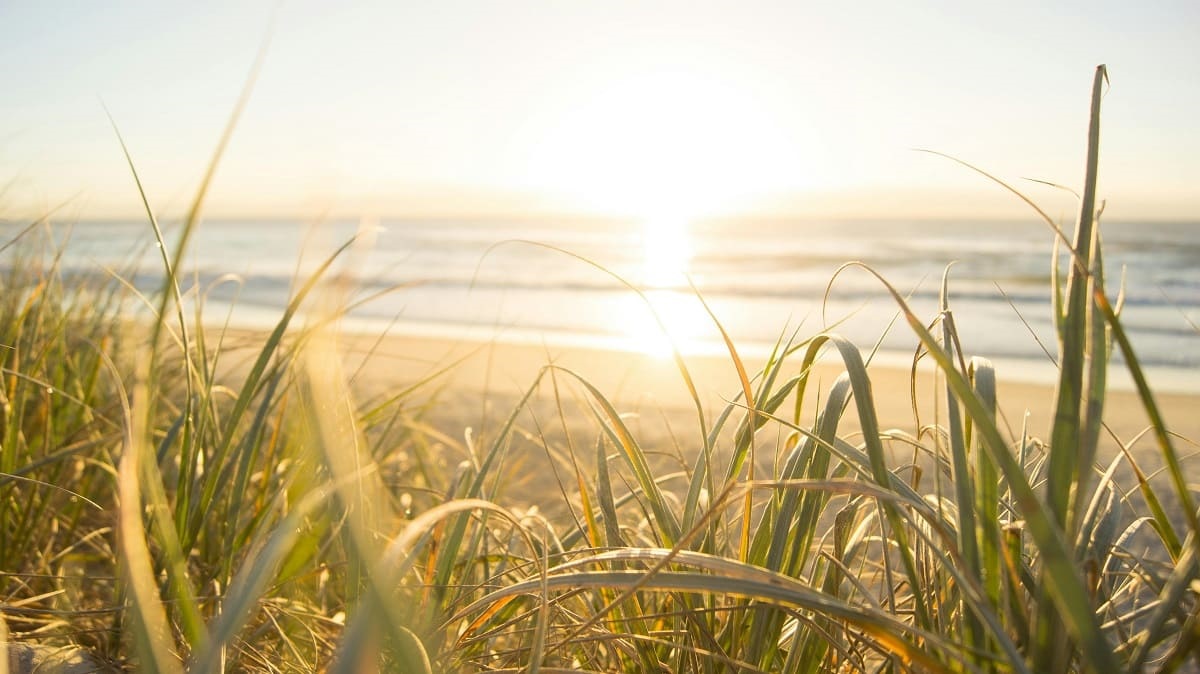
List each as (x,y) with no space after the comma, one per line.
(176,497)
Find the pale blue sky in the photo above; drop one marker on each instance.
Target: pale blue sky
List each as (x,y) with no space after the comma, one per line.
(629,107)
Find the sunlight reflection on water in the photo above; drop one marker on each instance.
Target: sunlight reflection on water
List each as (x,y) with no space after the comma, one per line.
(687,326)
(666,252)
(666,258)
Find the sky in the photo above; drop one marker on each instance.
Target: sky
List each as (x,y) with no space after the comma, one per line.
(614,107)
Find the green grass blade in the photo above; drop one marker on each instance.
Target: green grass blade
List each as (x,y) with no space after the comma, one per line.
(1158,425)
(1064,586)
(987,487)
(151,631)
(964,482)
(635,458)
(250,388)
(1066,432)
(252,579)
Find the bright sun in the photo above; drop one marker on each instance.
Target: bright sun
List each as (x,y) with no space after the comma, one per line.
(660,143)
(665,144)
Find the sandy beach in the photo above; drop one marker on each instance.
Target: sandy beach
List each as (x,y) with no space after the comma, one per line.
(489,376)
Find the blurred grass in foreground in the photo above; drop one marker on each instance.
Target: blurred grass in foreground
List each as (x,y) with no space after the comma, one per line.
(167,509)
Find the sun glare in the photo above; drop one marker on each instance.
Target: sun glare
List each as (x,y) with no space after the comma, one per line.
(666,257)
(666,143)
(666,252)
(629,143)
(681,315)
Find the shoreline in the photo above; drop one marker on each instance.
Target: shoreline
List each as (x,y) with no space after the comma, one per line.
(1172,381)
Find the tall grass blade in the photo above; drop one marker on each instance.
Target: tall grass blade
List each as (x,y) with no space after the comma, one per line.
(151,631)
(751,421)
(635,458)
(1064,588)
(1066,471)
(1157,424)
(964,481)
(252,580)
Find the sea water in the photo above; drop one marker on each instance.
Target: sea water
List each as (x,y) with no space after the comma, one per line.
(591,281)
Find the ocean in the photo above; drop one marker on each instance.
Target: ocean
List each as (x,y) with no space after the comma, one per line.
(567,281)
